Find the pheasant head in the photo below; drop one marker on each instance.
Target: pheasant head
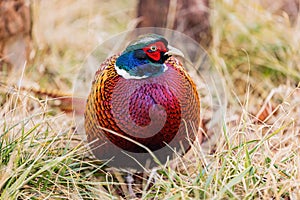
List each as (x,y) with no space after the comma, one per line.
(145,57)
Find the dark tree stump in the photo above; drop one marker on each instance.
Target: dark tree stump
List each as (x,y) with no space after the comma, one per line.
(187,16)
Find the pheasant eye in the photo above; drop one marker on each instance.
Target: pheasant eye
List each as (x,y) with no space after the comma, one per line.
(153,48)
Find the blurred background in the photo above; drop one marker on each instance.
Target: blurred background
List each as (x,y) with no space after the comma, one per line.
(54,37)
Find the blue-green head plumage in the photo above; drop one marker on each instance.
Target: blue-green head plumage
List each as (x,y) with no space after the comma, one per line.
(144,57)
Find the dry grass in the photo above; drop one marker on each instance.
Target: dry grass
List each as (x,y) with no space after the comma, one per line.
(42,157)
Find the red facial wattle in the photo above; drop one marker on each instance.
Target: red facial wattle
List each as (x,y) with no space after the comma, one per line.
(155,54)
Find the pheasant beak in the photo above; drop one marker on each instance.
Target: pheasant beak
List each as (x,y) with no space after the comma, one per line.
(174,52)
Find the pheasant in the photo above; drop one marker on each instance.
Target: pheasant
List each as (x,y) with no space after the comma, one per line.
(142,100)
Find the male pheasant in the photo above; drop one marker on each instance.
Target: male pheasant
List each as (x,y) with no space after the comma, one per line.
(147,98)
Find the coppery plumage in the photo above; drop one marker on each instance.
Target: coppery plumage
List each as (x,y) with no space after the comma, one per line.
(161,109)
